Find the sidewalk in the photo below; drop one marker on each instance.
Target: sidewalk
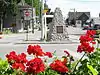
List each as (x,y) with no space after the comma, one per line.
(73,33)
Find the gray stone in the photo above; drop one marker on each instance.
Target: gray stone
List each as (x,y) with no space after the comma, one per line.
(57,29)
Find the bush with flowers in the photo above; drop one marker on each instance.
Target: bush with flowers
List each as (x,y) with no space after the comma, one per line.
(18,64)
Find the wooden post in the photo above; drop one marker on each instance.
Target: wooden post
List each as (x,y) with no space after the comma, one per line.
(42,19)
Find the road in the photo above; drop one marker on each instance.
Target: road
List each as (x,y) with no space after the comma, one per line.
(8,43)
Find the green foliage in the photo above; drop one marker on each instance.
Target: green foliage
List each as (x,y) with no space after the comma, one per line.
(9,6)
(45,6)
(3,6)
(13,7)
(97,31)
(5,69)
(94,71)
(49,72)
(7,31)
(37,4)
(89,65)
(18,72)
(94,60)
(29,2)
(3,66)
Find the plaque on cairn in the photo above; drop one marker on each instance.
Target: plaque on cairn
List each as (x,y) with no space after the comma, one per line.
(59,29)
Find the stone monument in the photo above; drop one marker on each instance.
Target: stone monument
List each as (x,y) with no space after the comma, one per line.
(57,29)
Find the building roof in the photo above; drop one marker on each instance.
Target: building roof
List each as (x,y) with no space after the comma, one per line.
(76,15)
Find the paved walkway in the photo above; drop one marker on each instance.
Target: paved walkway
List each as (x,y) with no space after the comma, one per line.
(75,30)
(73,33)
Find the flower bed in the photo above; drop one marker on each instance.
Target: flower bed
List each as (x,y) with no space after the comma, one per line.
(18,64)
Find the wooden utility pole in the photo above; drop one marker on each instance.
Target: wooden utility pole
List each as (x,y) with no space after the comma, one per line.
(32,19)
(42,21)
(1,22)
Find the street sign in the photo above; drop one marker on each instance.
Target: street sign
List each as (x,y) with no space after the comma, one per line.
(44,11)
(27,13)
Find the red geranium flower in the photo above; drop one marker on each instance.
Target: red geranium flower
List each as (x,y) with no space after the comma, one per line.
(85,47)
(91,32)
(12,57)
(30,49)
(93,42)
(48,54)
(22,58)
(35,66)
(85,38)
(35,50)
(79,49)
(86,42)
(18,66)
(17,61)
(57,65)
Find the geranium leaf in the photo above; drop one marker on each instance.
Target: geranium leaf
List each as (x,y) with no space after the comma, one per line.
(74,63)
(94,71)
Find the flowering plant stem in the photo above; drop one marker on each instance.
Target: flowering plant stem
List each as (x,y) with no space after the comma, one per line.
(78,62)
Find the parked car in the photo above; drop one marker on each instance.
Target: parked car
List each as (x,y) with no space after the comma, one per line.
(86,26)
(95,27)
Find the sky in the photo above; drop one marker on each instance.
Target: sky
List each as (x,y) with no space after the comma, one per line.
(92,6)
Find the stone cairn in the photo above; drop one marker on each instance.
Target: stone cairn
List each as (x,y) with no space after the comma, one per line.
(57,29)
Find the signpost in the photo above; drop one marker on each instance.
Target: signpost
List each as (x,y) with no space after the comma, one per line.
(43,20)
(27,18)
(45,24)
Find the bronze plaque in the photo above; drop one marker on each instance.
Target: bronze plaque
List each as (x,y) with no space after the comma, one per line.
(59,29)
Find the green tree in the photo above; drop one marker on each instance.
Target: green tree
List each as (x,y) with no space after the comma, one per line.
(8,6)
(37,4)
(46,6)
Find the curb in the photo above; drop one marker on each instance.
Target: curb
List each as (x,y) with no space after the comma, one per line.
(48,43)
